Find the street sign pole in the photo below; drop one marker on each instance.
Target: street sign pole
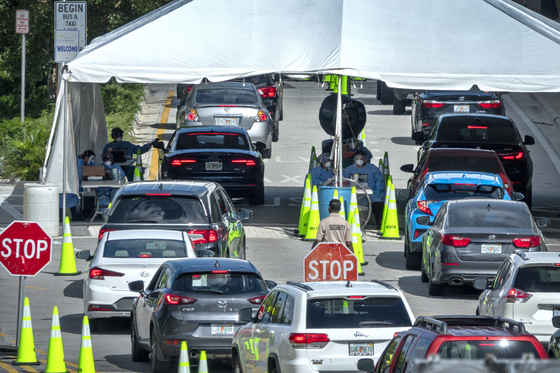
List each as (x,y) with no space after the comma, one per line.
(20,307)
(22,77)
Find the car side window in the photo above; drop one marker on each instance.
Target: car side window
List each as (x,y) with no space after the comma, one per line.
(265,312)
(440,217)
(215,208)
(164,280)
(288,314)
(229,205)
(502,275)
(401,360)
(221,203)
(418,352)
(386,359)
(168,147)
(155,279)
(278,309)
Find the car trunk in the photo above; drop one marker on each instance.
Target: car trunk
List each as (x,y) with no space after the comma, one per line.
(242,116)
(489,246)
(214,163)
(540,310)
(140,268)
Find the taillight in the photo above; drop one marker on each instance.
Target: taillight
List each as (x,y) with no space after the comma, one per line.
(527,242)
(455,241)
(494,104)
(175,299)
(97,273)
(267,91)
(512,156)
(193,115)
(516,296)
(189,89)
(203,235)
(477,127)
(221,271)
(178,162)
(305,339)
(423,206)
(431,104)
(102,231)
(100,307)
(257,300)
(248,162)
(172,342)
(261,116)
(507,183)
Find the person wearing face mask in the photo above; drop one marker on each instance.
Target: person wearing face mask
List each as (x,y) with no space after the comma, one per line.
(370,174)
(323,172)
(352,146)
(84,159)
(109,164)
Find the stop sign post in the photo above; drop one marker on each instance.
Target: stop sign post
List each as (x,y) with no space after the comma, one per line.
(330,261)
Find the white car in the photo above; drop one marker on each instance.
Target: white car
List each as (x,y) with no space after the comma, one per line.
(527,289)
(122,257)
(319,326)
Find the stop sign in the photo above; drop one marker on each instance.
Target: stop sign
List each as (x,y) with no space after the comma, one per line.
(330,261)
(25,248)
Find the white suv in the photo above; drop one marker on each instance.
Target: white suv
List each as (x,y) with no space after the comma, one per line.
(319,326)
(527,289)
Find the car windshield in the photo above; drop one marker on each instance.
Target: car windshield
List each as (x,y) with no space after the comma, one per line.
(485,130)
(161,209)
(484,217)
(377,312)
(445,192)
(220,283)
(214,140)
(464,163)
(226,96)
(145,248)
(542,279)
(502,349)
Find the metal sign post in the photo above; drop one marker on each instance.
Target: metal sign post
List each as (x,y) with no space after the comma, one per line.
(22,27)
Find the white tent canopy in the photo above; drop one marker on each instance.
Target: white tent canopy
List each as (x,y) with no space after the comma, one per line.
(438,44)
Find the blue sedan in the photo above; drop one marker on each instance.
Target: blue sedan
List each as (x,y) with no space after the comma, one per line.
(434,190)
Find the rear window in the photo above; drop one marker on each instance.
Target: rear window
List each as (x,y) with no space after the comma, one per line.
(226,96)
(476,164)
(158,209)
(334,313)
(538,279)
(215,140)
(502,349)
(480,131)
(145,249)
(484,217)
(219,283)
(445,192)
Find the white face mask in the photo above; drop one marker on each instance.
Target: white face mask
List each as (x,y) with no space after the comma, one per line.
(118,139)
(359,162)
(107,163)
(328,165)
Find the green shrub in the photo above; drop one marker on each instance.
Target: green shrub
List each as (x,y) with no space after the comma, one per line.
(121,103)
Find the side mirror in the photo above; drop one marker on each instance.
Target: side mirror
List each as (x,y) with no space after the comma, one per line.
(84,254)
(245,214)
(259,145)
(516,196)
(480,283)
(159,145)
(136,286)
(176,102)
(529,140)
(556,321)
(270,284)
(405,193)
(366,365)
(407,168)
(205,253)
(245,315)
(542,222)
(423,220)
(418,136)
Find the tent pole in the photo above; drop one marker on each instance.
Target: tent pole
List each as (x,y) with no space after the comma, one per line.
(338,136)
(65,104)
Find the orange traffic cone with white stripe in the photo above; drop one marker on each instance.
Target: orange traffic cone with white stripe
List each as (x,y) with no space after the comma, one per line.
(184,365)
(386,203)
(202,363)
(305,207)
(55,355)
(355,244)
(314,217)
(391,230)
(86,364)
(26,348)
(67,260)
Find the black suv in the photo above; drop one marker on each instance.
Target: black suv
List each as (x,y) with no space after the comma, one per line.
(200,208)
(487,131)
(455,337)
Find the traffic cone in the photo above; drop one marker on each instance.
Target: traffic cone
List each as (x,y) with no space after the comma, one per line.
(312,159)
(335,195)
(386,166)
(139,167)
(342,209)
(355,244)
(353,204)
(202,363)
(314,217)
(360,240)
(363,136)
(55,355)
(26,349)
(86,364)
(184,365)
(386,203)
(67,260)
(333,83)
(305,206)
(391,230)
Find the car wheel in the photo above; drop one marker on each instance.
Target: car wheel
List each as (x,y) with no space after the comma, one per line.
(423,275)
(477,312)
(257,197)
(529,198)
(158,366)
(276,131)
(413,261)
(398,106)
(386,94)
(94,325)
(237,365)
(378,92)
(137,353)
(242,253)
(435,289)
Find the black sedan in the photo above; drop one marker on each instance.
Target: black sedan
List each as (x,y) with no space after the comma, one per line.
(487,131)
(224,155)
(428,105)
(471,238)
(193,300)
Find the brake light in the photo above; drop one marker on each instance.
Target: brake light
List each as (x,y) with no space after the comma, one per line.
(261,116)
(102,231)
(172,342)
(178,162)
(516,296)
(203,235)
(527,242)
(494,104)
(455,241)
(227,105)
(219,272)
(158,194)
(175,299)
(477,127)
(507,183)
(97,273)
(192,116)
(189,89)
(257,300)
(307,338)
(248,162)
(356,297)
(423,206)
(508,156)
(431,104)
(425,124)
(267,91)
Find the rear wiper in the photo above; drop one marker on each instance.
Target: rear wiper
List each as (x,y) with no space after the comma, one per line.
(216,291)
(372,323)
(142,221)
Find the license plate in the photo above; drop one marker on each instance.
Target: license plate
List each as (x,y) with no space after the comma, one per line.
(222,329)
(460,108)
(491,249)
(555,312)
(361,349)
(229,121)
(213,166)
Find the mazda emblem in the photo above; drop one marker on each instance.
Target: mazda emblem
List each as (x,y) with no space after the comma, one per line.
(144,274)
(461,98)
(222,303)
(492,237)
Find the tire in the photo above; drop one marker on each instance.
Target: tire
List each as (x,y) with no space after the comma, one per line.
(413,261)
(266,153)
(276,131)
(477,312)
(435,289)
(386,94)
(158,366)
(94,325)
(398,106)
(423,276)
(378,93)
(257,197)
(138,354)
(237,365)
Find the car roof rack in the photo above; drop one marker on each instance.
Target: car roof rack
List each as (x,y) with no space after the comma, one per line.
(430,323)
(300,285)
(386,284)
(522,254)
(443,322)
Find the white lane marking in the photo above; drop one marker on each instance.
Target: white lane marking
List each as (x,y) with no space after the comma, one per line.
(373,142)
(303,158)
(289,178)
(276,202)
(279,160)
(10,209)
(266,180)
(374,150)
(538,134)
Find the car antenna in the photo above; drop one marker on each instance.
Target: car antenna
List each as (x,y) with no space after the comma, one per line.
(217,264)
(348,284)
(160,187)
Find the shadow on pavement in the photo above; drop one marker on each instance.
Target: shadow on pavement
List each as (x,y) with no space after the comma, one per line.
(75,289)
(403,141)
(125,362)
(413,286)
(71,323)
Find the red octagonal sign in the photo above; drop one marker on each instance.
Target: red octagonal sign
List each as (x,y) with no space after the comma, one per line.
(330,261)
(25,248)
